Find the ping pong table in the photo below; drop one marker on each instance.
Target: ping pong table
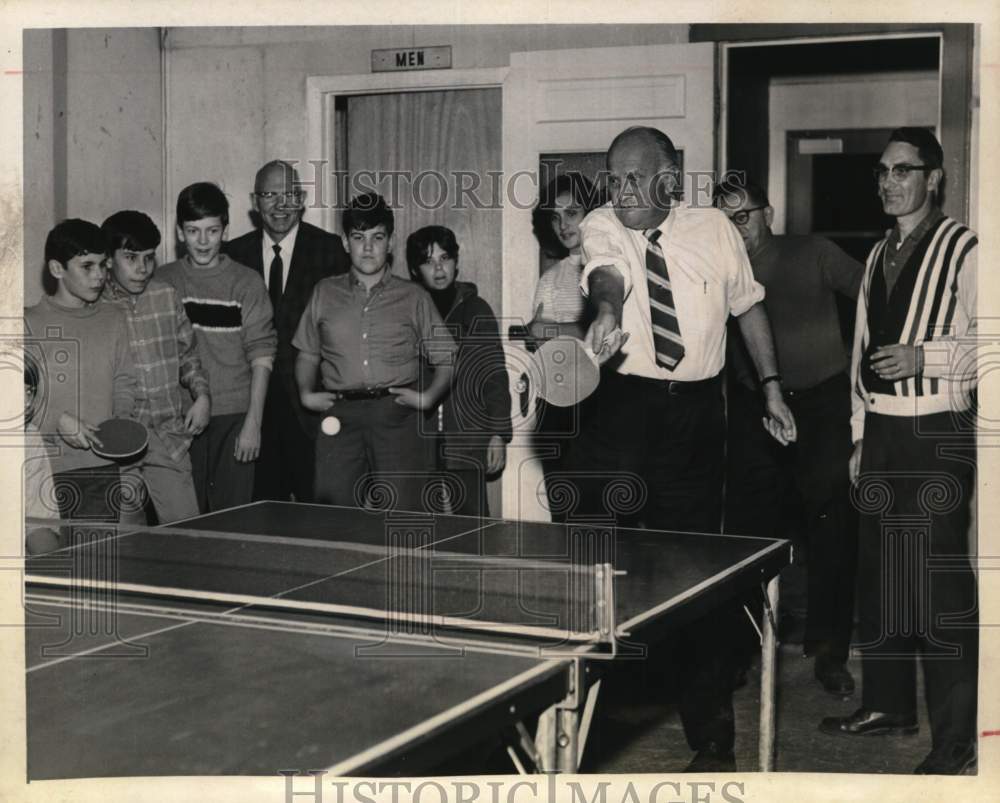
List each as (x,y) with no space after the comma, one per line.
(281,636)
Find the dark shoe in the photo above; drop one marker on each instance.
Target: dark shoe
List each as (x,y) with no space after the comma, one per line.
(952,759)
(834,676)
(870,723)
(712,759)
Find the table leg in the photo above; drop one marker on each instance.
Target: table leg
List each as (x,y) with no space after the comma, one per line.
(545,739)
(768,678)
(567,735)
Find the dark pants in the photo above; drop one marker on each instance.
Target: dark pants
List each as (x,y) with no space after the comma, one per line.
(916,590)
(96,494)
(467,491)
(287,452)
(219,480)
(90,497)
(761,473)
(555,430)
(381,457)
(461,468)
(651,458)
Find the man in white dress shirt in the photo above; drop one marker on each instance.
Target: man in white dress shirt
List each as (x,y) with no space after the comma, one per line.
(663,278)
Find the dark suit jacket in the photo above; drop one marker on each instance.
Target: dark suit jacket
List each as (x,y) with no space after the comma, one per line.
(317,254)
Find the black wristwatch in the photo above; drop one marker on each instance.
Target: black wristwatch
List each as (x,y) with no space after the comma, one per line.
(770,378)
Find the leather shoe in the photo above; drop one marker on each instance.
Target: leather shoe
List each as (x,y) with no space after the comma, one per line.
(951,759)
(870,723)
(834,676)
(712,758)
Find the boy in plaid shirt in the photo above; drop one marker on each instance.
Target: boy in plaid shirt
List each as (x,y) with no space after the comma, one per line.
(166,360)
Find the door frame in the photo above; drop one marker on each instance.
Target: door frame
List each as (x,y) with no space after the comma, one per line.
(956,46)
(322,90)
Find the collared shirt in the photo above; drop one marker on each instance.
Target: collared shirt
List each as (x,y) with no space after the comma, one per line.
(558,292)
(165,356)
(897,252)
(372,338)
(287,245)
(710,278)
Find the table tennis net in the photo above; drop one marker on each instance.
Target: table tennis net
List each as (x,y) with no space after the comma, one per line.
(407,578)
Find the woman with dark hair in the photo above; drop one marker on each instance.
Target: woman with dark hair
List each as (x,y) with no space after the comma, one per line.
(473,422)
(559,306)
(560,309)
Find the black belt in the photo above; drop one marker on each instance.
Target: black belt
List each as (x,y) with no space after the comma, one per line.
(802,393)
(673,387)
(823,387)
(361,394)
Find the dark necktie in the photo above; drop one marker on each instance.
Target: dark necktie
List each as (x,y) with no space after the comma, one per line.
(274,277)
(666,330)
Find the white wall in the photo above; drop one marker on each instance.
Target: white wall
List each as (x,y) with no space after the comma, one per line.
(234,98)
(863,101)
(237,95)
(92,131)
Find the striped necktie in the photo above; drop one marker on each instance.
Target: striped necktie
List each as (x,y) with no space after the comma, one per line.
(667,338)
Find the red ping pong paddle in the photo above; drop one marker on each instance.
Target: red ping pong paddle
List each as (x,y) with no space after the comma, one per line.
(121,438)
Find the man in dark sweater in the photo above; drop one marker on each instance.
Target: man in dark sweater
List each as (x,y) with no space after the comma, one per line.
(914,377)
(291,255)
(802,275)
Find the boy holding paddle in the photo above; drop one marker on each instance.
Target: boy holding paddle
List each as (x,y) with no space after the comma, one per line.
(166,357)
(87,375)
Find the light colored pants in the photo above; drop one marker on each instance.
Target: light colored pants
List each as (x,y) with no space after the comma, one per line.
(169,483)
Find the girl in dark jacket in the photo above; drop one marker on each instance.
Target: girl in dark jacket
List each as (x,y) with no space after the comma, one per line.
(473,422)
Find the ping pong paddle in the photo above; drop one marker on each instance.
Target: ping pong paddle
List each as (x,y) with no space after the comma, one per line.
(567,371)
(121,438)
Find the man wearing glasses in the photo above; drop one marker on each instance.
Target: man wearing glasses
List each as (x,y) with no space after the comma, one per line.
(801,275)
(292,256)
(914,374)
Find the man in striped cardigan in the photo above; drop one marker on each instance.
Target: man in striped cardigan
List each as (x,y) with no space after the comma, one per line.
(914,375)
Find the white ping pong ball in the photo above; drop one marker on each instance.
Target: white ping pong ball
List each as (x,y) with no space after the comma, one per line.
(330,425)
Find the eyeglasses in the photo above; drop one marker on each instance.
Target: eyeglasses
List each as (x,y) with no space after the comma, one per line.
(291,195)
(742,217)
(899,172)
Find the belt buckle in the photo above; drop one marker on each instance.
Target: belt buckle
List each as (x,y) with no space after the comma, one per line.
(674,387)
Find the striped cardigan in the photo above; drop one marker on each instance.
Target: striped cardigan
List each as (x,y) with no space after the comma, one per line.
(938,314)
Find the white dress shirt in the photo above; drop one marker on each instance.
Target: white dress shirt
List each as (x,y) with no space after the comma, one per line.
(287,247)
(710,278)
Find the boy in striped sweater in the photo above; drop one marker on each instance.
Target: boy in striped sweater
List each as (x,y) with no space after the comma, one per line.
(228,307)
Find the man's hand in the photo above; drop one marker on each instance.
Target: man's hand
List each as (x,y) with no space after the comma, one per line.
(854,464)
(896,362)
(319,401)
(780,423)
(77,433)
(198,416)
(248,441)
(605,336)
(496,455)
(408,397)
